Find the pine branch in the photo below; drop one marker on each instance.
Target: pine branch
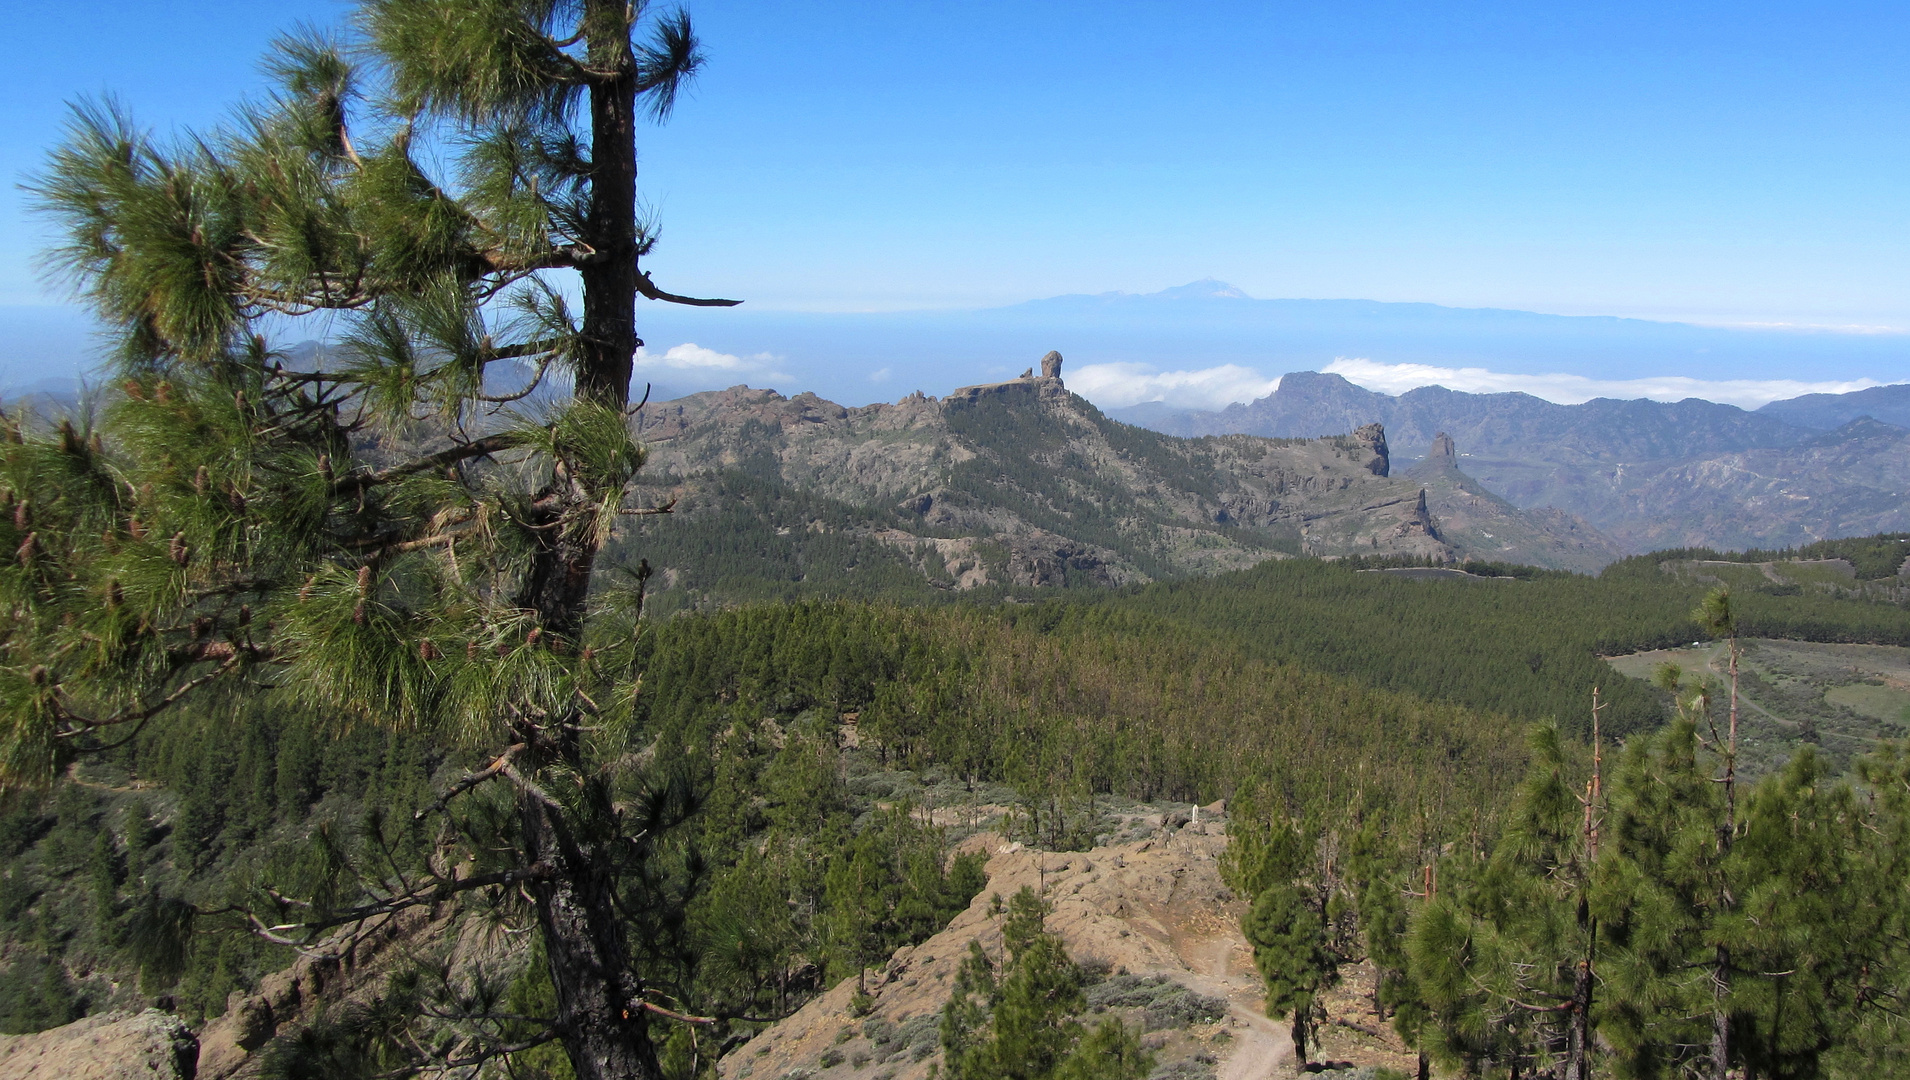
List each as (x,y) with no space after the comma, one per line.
(436,892)
(674,1015)
(87,724)
(474,1060)
(537,380)
(490,444)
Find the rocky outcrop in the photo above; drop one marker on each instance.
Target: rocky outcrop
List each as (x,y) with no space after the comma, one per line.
(152,1045)
(1051,365)
(1421,523)
(1646,474)
(1485,526)
(1373,438)
(228,1046)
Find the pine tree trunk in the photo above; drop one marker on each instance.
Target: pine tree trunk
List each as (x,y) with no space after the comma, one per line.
(610,277)
(604,1028)
(1578,1064)
(1721,972)
(1721,1016)
(605,1037)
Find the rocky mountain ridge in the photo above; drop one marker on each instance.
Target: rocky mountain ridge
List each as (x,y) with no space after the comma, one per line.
(1022,482)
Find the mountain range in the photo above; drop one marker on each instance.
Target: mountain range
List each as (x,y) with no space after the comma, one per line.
(1025,483)
(1648,474)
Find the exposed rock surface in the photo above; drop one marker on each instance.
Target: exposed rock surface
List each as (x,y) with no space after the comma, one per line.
(151,1045)
(1373,437)
(1475,520)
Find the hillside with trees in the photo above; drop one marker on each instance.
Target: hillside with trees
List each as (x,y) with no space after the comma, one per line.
(340,719)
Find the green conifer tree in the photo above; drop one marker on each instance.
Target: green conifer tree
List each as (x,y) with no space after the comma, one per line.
(1020,1023)
(374,530)
(1288,932)
(1657,900)
(1504,956)
(1717,615)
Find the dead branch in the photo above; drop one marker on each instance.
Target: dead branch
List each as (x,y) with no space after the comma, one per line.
(489,772)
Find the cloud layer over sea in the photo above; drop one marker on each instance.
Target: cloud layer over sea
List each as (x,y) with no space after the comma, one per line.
(1118,385)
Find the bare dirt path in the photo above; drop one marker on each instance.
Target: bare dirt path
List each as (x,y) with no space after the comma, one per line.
(1263,1048)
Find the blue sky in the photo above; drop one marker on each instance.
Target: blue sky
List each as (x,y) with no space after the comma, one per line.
(1742,163)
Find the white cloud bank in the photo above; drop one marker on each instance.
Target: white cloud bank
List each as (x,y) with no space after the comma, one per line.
(692,365)
(1114,386)
(1572,389)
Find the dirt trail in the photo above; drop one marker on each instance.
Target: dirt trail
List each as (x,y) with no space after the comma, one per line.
(1149,907)
(1221,965)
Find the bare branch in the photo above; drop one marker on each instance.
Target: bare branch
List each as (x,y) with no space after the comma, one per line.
(491,771)
(490,444)
(674,1015)
(89,723)
(666,508)
(479,1058)
(537,380)
(436,891)
(649,289)
(528,787)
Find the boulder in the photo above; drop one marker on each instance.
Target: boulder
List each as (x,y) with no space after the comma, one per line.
(1051,365)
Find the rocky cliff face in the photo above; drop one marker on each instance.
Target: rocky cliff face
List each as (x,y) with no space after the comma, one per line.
(1023,482)
(1473,518)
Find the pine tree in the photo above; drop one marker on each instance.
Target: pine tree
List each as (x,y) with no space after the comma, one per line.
(1718,616)
(1504,957)
(1297,917)
(1020,1023)
(1657,900)
(403,529)
(1288,933)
